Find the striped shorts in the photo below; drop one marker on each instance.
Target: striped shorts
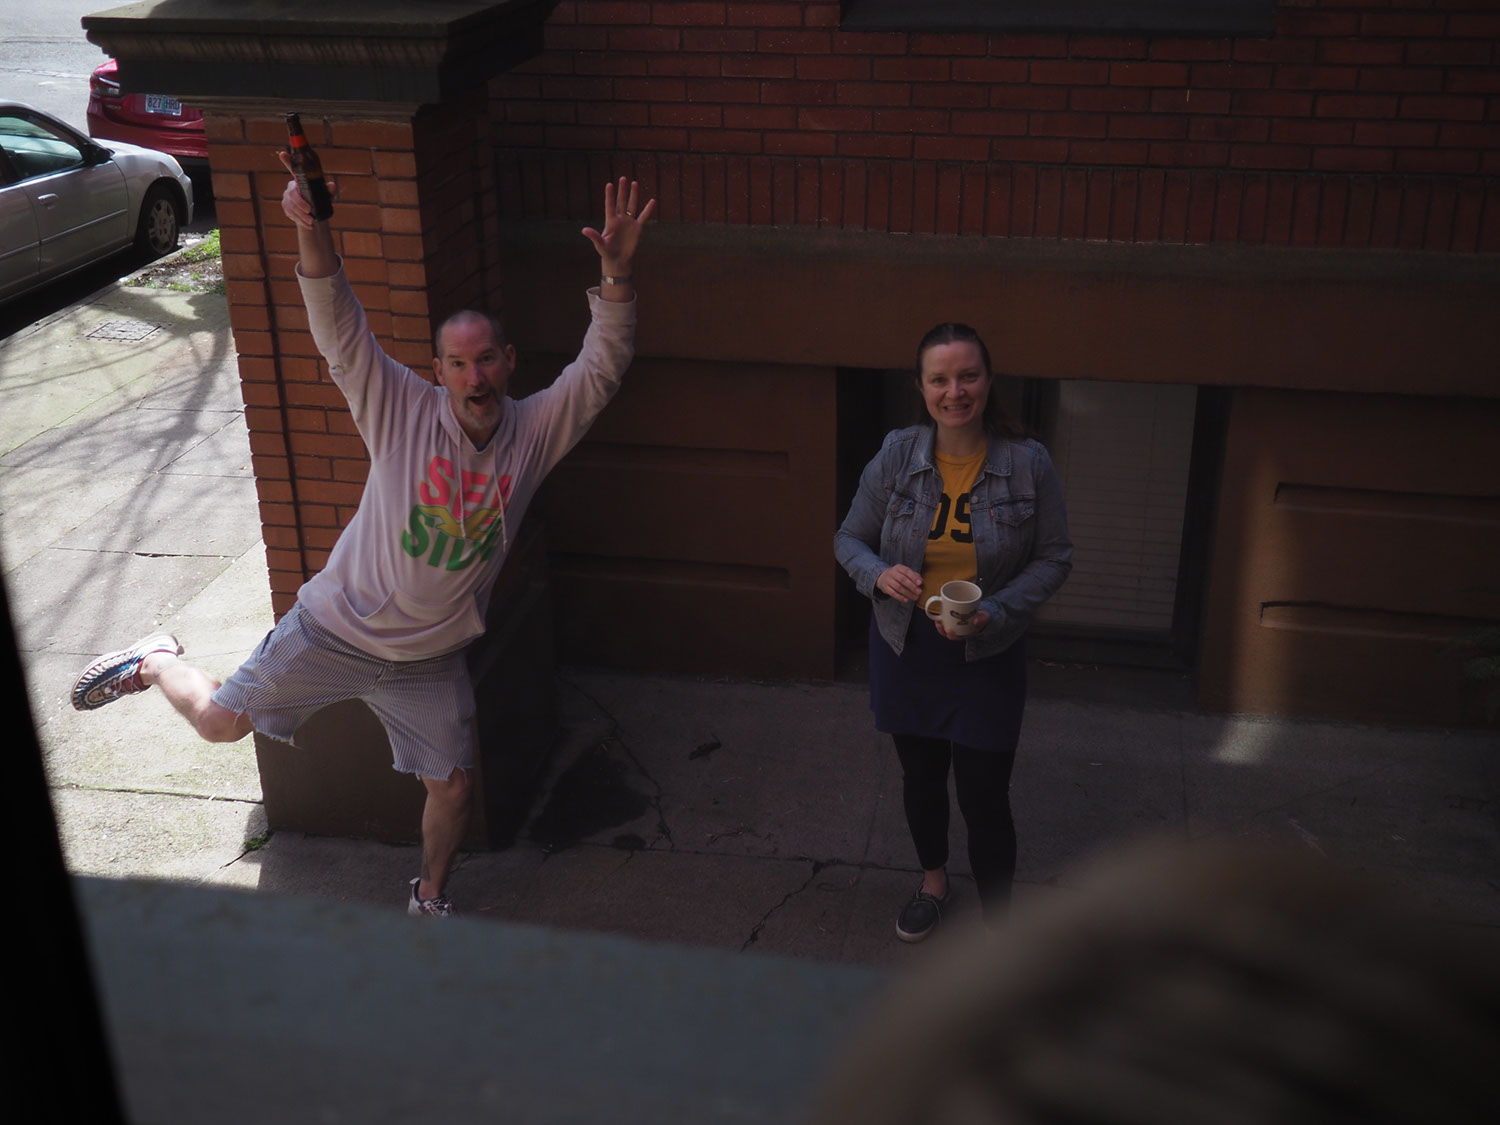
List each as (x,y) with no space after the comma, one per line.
(426,706)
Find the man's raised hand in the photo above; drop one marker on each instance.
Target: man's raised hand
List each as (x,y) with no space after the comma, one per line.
(296,208)
(316,256)
(623,221)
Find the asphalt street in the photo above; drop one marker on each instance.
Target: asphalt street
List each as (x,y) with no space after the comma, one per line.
(47,60)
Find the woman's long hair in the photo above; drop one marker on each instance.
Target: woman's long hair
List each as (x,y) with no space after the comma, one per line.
(997,419)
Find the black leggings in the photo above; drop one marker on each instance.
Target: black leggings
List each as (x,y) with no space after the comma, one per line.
(982,780)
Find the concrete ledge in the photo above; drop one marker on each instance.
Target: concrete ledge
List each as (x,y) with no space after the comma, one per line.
(1370,321)
(229,1007)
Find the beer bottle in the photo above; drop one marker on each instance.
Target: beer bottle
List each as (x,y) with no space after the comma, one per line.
(308,170)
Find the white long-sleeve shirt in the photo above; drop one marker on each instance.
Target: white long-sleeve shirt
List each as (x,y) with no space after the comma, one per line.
(410,577)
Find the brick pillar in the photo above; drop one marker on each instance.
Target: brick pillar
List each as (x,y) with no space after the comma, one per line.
(416,226)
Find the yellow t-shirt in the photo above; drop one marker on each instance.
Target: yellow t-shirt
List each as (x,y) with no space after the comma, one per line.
(950,544)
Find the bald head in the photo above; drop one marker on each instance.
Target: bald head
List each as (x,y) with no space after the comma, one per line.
(467,317)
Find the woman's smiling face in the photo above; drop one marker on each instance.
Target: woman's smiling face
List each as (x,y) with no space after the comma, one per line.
(955,385)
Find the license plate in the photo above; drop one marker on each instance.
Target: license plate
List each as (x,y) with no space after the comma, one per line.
(160,103)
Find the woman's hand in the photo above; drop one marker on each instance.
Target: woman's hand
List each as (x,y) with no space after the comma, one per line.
(980,620)
(622,227)
(901,583)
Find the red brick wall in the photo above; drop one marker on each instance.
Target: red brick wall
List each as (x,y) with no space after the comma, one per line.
(413,246)
(1360,123)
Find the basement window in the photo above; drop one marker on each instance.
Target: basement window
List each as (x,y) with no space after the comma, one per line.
(1178,17)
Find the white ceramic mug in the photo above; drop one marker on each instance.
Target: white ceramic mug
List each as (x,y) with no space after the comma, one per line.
(956,604)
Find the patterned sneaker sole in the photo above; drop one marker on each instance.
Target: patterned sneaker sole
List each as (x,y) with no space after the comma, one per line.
(109,677)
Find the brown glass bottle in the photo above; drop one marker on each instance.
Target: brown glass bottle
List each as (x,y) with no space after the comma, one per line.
(308,170)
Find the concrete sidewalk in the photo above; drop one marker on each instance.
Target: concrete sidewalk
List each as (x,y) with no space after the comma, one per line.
(728,814)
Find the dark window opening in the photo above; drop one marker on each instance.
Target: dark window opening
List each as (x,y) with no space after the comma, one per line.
(1176,17)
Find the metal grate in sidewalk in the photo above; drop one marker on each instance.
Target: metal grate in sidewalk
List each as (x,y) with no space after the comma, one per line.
(131,331)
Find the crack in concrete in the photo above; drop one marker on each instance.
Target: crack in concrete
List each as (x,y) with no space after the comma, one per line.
(663,829)
(159,793)
(613,735)
(252,845)
(817,866)
(146,554)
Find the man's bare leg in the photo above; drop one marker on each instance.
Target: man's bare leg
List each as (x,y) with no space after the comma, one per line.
(445,817)
(190,690)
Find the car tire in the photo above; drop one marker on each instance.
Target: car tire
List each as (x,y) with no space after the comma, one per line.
(160,226)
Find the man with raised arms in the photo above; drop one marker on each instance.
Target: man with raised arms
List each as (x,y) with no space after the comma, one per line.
(453,467)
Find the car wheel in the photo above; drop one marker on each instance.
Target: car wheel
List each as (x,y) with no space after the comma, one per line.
(156,233)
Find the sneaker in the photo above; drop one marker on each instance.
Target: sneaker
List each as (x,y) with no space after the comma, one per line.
(920,916)
(119,673)
(438,907)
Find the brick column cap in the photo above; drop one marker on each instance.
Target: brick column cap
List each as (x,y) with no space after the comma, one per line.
(378,51)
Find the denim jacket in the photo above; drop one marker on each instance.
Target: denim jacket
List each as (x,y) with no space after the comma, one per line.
(1017,517)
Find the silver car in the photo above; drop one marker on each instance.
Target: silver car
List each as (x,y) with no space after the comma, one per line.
(67,201)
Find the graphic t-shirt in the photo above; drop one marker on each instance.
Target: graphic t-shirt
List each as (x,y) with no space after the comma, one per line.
(461,508)
(950,544)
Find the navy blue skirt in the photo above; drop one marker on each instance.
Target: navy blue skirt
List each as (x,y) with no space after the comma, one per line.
(930,690)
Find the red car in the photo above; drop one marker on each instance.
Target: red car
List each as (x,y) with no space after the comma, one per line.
(152,121)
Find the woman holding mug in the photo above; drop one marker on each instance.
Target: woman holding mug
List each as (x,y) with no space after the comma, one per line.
(964,495)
